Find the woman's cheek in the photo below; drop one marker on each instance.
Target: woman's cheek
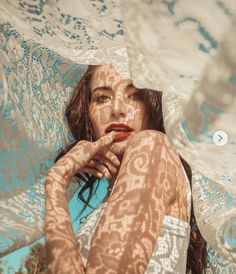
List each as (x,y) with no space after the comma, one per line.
(105,113)
(99,117)
(132,112)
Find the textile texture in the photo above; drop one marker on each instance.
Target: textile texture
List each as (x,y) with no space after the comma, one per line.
(183,48)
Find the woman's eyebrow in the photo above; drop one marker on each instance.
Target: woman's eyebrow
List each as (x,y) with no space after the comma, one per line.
(108,88)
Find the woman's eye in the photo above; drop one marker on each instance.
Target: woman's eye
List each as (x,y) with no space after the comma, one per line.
(136,96)
(102,98)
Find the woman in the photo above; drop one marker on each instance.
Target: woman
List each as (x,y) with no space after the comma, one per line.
(121,140)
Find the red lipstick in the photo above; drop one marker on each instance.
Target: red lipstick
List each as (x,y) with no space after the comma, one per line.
(123,131)
(121,136)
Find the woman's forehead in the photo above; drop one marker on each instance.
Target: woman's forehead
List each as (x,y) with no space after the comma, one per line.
(106,74)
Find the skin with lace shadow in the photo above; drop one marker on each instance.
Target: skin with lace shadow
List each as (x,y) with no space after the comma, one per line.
(149,184)
(148,187)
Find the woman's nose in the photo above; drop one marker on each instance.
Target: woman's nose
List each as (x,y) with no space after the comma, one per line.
(118,107)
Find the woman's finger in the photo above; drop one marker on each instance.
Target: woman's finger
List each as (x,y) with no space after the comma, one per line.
(103,142)
(93,171)
(79,156)
(106,162)
(100,166)
(83,151)
(105,152)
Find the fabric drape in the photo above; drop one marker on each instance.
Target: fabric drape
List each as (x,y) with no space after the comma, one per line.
(186,49)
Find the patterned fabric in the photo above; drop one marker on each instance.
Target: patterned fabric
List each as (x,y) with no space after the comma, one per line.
(34,88)
(179,48)
(216,216)
(85,32)
(218,264)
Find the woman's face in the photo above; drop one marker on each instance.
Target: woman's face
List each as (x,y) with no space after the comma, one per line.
(116,105)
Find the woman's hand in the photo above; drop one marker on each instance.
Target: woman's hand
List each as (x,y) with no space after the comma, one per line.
(94,158)
(60,240)
(103,164)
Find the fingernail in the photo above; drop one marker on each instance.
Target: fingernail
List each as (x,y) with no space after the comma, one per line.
(114,170)
(116,162)
(100,175)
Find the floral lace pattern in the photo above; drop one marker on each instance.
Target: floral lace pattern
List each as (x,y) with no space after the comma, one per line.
(180,69)
(198,84)
(94,35)
(215,214)
(218,264)
(46,45)
(35,85)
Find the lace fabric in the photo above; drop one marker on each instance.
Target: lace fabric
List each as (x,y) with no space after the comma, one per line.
(173,46)
(218,264)
(35,87)
(190,56)
(173,51)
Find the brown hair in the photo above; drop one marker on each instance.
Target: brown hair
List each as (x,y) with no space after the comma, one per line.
(81,129)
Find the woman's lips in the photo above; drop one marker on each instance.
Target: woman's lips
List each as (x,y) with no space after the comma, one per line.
(121,136)
(118,127)
(123,131)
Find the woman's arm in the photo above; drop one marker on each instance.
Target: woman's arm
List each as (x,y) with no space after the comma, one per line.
(61,247)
